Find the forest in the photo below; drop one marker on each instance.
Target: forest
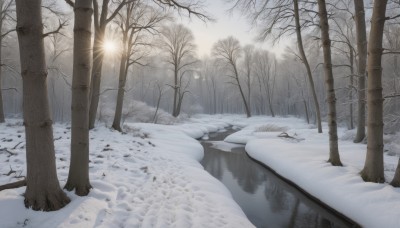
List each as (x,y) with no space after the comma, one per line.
(75,71)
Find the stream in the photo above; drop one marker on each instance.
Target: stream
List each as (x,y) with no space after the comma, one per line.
(266,199)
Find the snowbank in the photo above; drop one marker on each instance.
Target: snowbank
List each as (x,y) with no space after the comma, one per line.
(304,162)
(149,177)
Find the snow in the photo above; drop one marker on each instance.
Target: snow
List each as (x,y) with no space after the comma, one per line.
(151,176)
(148,177)
(304,162)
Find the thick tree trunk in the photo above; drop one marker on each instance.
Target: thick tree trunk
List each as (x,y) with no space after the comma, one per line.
(306,64)
(78,177)
(334,157)
(2,120)
(95,83)
(373,168)
(43,190)
(362,63)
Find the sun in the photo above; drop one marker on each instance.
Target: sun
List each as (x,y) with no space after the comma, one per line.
(109,47)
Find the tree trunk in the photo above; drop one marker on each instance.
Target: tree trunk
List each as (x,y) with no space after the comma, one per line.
(78,177)
(306,64)
(334,157)
(2,120)
(95,83)
(43,190)
(373,167)
(351,87)
(121,92)
(362,62)
(175,104)
(248,113)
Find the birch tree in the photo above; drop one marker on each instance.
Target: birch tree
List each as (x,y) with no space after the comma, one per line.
(43,190)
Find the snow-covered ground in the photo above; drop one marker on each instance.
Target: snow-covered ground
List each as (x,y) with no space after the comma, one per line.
(151,176)
(148,177)
(303,160)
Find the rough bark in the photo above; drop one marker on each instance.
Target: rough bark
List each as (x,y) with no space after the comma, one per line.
(373,167)
(306,64)
(362,63)
(334,157)
(43,190)
(2,120)
(78,177)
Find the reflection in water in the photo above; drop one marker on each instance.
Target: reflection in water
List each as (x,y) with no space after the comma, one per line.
(266,199)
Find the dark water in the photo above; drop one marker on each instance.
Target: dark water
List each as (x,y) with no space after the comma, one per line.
(267,200)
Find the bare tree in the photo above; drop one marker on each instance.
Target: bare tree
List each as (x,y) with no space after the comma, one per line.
(277,18)
(43,190)
(248,60)
(137,20)
(263,64)
(334,157)
(78,177)
(101,21)
(362,63)
(5,8)
(228,51)
(373,167)
(178,43)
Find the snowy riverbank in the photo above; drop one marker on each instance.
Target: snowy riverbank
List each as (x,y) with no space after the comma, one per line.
(304,162)
(149,177)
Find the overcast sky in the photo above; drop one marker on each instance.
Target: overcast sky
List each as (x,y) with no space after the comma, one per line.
(206,34)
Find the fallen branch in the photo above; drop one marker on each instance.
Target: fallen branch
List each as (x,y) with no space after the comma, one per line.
(286,135)
(15,147)
(17,184)
(6,150)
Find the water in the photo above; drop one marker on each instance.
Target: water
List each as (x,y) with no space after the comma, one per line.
(267,200)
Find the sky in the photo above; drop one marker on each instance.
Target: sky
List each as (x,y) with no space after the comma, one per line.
(227,24)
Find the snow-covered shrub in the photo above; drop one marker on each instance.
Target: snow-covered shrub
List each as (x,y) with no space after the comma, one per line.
(271,128)
(137,111)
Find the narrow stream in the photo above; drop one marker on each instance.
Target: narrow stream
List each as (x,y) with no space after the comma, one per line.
(267,200)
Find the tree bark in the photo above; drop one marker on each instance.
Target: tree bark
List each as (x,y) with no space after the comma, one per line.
(175,102)
(334,157)
(121,91)
(362,63)
(248,113)
(306,64)
(2,120)
(95,83)
(351,79)
(78,177)
(43,190)
(373,167)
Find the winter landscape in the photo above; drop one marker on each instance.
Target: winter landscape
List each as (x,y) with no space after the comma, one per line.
(199,113)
